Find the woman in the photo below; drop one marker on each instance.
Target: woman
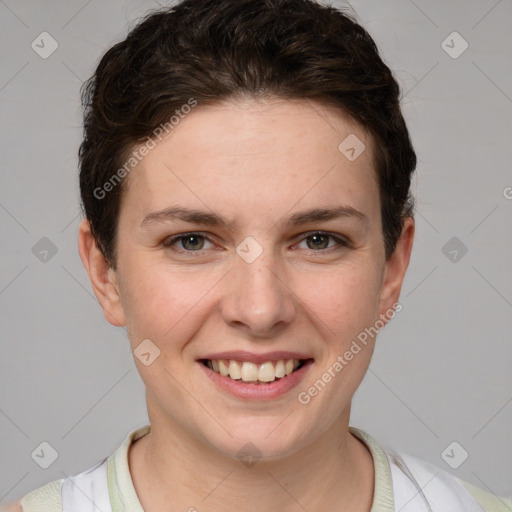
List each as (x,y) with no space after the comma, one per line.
(245,176)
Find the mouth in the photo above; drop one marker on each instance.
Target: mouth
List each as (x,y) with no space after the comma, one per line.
(257,374)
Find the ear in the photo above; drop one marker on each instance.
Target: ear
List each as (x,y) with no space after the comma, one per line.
(394,271)
(103,277)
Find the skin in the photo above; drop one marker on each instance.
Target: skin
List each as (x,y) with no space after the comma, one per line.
(255,162)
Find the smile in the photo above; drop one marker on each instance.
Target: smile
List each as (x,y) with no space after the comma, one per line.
(259,374)
(258,379)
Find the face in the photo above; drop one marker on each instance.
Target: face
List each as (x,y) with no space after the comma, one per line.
(286,261)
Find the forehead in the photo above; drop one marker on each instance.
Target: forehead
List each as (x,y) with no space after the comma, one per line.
(245,155)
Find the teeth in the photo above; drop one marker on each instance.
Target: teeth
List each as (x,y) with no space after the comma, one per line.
(280,369)
(267,372)
(223,368)
(251,372)
(234,370)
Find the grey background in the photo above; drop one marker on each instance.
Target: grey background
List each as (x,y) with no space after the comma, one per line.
(442,368)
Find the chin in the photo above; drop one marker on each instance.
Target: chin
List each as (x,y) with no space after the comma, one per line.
(269,438)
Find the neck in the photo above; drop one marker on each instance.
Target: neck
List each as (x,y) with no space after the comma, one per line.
(172,470)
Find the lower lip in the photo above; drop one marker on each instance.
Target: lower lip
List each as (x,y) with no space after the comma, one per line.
(246,390)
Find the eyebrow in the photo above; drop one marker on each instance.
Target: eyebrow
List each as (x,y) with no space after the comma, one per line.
(215,219)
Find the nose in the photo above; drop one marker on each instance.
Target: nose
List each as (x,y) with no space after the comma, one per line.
(259,297)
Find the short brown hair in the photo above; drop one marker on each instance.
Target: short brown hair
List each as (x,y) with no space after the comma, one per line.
(211,50)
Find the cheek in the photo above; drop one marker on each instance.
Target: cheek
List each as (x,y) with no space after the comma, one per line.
(160,303)
(345,300)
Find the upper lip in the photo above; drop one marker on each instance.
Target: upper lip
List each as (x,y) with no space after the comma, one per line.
(242,355)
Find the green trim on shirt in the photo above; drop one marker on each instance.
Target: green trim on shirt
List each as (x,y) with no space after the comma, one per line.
(383,489)
(120,484)
(488,502)
(44,499)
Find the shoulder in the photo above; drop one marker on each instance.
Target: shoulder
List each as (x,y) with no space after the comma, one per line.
(92,485)
(408,484)
(44,499)
(415,481)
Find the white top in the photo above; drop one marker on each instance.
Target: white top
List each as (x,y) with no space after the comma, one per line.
(402,483)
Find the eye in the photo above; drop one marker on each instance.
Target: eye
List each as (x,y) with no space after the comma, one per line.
(190,242)
(319,241)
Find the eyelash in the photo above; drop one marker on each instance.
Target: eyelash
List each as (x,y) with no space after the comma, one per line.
(341,243)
